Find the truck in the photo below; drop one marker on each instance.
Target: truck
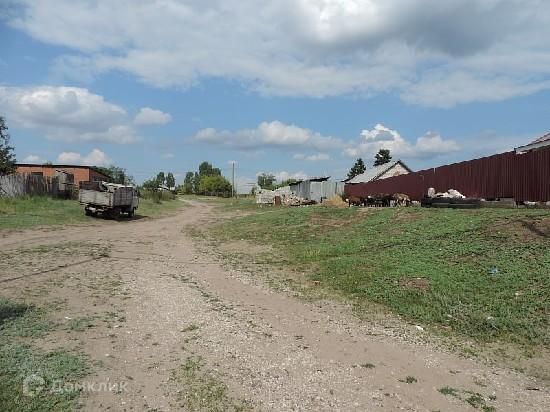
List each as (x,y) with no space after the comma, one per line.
(108,199)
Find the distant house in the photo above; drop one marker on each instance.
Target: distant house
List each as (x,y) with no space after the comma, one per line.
(537,144)
(80,173)
(392,169)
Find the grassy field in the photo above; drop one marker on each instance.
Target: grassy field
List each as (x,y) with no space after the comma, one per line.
(26,212)
(28,375)
(478,273)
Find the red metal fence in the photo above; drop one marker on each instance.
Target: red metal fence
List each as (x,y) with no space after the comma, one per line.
(520,176)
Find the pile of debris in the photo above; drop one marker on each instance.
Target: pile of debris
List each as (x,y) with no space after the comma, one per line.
(450,199)
(282,196)
(451,194)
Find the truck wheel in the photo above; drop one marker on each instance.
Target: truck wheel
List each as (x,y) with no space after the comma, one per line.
(88,212)
(131,213)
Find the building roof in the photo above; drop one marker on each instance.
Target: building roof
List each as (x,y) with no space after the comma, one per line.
(312,179)
(541,139)
(375,172)
(541,142)
(57,166)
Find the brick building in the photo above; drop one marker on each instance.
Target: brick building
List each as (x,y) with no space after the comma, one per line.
(80,173)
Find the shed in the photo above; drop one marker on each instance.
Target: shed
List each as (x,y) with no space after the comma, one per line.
(317,188)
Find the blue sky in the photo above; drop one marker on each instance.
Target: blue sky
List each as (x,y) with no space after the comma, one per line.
(296,88)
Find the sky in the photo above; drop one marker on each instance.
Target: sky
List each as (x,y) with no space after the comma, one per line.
(295,88)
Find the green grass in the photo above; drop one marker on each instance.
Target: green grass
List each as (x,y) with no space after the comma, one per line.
(151,208)
(474,399)
(201,391)
(28,376)
(479,273)
(26,212)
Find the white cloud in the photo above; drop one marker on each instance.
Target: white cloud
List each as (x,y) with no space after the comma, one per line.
(382,137)
(95,158)
(274,134)
(168,155)
(308,47)
(148,116)
(66,113)
(312,158)
(284,175)
(244,184)
(34,159)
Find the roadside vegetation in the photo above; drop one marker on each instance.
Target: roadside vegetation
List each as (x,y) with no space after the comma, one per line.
(28,374)
(482,274)
(29,211)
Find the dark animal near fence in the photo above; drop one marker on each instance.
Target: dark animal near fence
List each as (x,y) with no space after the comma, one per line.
(401,199)
(356,201)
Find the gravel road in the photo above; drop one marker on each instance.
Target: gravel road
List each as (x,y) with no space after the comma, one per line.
(173,301)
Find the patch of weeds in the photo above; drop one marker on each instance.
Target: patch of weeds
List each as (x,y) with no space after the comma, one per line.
(10,310)
(190,328)
(22,320)
(474,399)
(409,379)
(448,391)
(202,391)
(368,365)
(81,324)
(26,370)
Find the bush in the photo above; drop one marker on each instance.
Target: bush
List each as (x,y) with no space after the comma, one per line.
(157,196)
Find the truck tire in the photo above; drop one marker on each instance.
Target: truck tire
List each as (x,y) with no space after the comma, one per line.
(131,213)
(88,212)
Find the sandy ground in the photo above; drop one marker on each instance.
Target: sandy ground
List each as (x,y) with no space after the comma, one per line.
(156,299)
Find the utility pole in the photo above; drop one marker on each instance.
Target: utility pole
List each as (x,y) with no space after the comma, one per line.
(233,191)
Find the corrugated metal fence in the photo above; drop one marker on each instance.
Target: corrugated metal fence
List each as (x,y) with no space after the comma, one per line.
(317,191)
(525,177)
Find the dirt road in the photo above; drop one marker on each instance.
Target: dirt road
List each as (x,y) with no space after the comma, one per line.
(169,320)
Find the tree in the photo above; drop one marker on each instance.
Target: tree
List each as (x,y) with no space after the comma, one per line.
(206,169)
(170,180)
(382,157)
(214,185)
(160,179)
(118,175)
(196,183)
(7,157)
(188,183)
(357,169)
(266,181)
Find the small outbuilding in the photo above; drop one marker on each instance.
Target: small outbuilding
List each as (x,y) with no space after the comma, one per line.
(317,188)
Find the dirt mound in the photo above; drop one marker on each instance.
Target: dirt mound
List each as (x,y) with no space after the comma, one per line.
(335,201)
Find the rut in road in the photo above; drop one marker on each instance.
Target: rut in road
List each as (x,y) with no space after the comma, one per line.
(272,350)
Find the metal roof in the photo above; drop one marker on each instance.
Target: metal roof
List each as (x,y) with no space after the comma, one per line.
(312,179)
(375,172)
(542,141)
